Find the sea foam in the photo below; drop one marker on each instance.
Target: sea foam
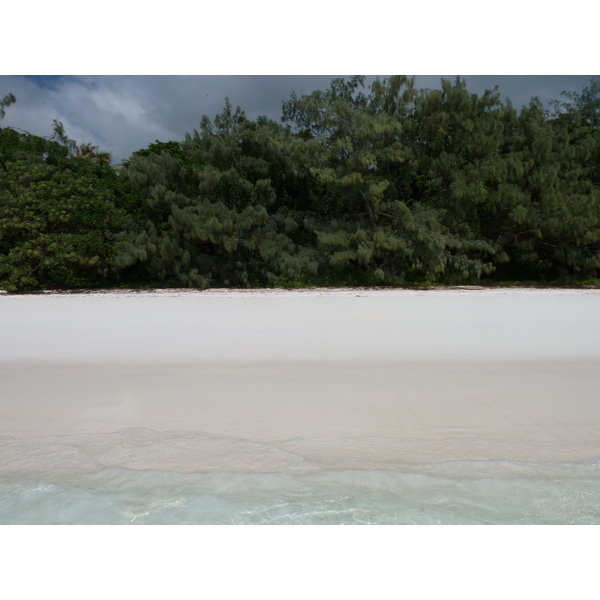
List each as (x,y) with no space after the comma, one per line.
(78,480)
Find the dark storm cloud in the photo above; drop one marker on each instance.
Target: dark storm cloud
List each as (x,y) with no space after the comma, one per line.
(195,96)
(126,113)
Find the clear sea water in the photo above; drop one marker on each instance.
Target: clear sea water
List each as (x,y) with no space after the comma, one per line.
(450,493)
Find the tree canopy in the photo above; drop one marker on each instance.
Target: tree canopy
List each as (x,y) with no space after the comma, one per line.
(377,185)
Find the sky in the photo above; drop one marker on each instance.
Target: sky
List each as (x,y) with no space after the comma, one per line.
(123,113)
(121,78)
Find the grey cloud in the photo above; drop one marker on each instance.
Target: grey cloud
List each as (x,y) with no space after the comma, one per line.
(126,113)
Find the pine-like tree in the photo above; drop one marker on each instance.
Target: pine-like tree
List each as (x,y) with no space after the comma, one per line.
(222,205)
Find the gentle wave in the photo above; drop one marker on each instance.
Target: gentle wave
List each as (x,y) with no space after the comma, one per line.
(124,496)
(139,476)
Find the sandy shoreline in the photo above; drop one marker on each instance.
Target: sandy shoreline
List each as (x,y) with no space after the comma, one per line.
(286,380)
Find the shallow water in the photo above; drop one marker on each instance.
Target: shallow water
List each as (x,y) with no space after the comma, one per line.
(141,476)
(514,493)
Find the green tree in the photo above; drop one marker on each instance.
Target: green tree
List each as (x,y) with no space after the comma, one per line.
(508,187)
(368,157)
(4,103)
(581,107)
(548,212)
(87,150)
(358,186)
(62,208)
(221,205)
(52,224)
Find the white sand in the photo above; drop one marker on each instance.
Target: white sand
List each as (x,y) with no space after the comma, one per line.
(277,380)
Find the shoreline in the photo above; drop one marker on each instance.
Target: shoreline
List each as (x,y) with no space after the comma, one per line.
(289,381)
(310,290)
(337,415)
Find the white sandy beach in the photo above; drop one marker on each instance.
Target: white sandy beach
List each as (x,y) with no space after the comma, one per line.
(278,381)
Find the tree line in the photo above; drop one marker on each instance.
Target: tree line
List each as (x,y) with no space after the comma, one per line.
(357,185)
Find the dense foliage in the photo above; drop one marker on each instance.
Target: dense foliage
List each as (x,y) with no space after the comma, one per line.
(60,214)
(358,186)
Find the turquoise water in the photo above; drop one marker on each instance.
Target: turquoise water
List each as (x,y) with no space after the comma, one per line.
(140,476)
(524,493)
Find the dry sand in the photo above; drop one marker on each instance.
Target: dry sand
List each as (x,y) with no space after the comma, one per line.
(285,380)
